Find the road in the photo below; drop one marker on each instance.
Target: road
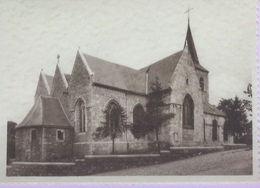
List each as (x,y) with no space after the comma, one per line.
(233,162)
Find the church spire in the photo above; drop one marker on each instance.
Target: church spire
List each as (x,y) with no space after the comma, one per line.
(189,41)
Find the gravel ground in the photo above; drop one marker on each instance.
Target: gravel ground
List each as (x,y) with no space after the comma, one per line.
(233,162)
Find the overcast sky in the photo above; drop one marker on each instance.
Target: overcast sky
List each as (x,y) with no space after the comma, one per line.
(133,33)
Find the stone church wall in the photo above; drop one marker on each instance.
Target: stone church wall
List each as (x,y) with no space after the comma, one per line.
(80,87)
(205,92)
(25,148)
(185,81)
(208,129)
(45,147)
(54,149)
(102,96)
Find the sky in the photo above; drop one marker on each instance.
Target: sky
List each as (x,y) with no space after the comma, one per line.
(132,33)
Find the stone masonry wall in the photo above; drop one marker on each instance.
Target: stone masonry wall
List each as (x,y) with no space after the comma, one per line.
(25,148)
(55,149)
(208,129)
(80,87)
(205,92)
(101,97)
(186,70)
(45,147)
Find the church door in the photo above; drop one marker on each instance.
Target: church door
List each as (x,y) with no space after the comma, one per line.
(214,130)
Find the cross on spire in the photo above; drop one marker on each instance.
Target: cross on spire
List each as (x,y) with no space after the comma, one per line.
(58,57)
(188,11)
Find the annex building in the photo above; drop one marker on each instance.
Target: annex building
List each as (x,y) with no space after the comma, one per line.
(69,108)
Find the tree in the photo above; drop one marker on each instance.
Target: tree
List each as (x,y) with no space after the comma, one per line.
(236,116)
(114,126)
(156,115)
(248,103)
(248,106)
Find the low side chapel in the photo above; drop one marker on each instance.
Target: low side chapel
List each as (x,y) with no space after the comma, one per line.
(69,108)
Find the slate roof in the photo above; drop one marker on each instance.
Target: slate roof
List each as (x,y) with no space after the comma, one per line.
(46,112)
(67,76)
(192,50)
(49,79)
(210,109)
(114,75)
(163,69)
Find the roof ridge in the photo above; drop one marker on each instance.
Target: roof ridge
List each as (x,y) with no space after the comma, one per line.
(160,60)
(85,62)
(111,62)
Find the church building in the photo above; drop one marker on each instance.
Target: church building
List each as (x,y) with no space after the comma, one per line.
(69,108)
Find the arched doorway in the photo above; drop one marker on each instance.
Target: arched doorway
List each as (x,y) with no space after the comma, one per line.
(214,130)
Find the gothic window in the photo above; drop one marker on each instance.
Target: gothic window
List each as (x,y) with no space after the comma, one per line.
(214,130)
(81,116)
(201,84)
(112,116)
(138,118)
(188,112)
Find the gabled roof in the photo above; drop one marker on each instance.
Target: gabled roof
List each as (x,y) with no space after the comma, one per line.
(191,46)
(114,75)
(46,112)
(210,109)
(163,69)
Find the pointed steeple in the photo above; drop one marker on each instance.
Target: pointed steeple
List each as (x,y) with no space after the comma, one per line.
(191,46)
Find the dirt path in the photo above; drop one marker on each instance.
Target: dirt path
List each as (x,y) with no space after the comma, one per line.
(234,162)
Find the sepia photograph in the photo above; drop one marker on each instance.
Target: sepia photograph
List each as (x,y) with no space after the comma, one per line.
(158,89)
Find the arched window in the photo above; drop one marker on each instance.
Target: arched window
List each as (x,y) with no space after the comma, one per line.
(138,120)
(201,83)
(112,115)
(188,112)
(214,130)
(80,116)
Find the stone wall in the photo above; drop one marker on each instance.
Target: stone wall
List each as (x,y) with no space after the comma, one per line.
(97,164)
(101,97)
(45,147)
(54,149)
(205,92)
(208,129)
(80,87)
(184,71)
(27,149)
